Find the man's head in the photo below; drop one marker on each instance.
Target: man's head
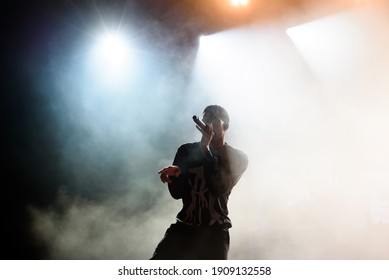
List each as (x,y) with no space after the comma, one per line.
(218,117)
(215,113)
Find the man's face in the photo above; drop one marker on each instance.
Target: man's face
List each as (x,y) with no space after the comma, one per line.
(216,121)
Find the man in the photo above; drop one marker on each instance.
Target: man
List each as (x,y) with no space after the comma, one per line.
(202,175)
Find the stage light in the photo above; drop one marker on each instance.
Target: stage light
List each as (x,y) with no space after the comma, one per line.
(244,2)
(113,50)
(111,62)
(329,45)
(239,2)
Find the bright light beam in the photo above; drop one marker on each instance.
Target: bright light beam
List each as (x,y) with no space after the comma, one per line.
(111,61)
(113,50)
(330,46)
(237,3)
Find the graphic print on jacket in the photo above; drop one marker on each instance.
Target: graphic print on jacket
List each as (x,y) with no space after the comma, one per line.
(202,200)
(205,183)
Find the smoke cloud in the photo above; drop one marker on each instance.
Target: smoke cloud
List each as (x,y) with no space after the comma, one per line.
(316,186)
(311,115)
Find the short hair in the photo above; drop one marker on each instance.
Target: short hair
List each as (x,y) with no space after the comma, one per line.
(220,112)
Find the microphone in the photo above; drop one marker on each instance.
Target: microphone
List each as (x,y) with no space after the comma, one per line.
(199,123)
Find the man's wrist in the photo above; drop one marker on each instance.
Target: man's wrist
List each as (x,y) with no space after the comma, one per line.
(207,152)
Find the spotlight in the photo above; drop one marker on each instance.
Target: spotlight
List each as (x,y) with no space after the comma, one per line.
(111,60)
(113,49)
(239,2)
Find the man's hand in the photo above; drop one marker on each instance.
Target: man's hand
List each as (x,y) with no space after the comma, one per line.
(207,135)
(171,170)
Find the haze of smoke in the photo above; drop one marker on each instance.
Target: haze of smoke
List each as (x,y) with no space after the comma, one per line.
(316,145)
(111,229)
(314,133)
(113,139)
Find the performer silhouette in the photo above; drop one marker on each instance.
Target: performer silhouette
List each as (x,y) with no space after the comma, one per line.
(202,176)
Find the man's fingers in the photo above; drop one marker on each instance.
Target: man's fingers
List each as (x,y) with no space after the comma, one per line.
(163,170)
(165,173)
(165,179)
(200,129)
(168,171)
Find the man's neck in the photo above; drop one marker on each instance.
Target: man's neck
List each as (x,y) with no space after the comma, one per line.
(217,143)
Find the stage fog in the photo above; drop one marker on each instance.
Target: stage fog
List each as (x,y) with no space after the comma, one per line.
(308,103)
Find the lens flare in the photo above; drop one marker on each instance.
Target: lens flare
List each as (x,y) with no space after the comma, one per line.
(113,50)
(111,62)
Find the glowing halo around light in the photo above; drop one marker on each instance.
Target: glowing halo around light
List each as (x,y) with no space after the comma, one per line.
(239,2)
(113,50)
(111,62)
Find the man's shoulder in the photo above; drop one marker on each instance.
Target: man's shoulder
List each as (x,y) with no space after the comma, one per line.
(231,149)
(236,153)
(189,146)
